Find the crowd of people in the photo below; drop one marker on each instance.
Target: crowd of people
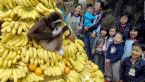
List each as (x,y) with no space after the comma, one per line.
(115,42)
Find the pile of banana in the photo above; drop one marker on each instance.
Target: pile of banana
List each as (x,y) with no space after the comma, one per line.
(22,60)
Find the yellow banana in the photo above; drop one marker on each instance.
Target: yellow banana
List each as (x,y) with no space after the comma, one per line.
(5,54)
(13,55)
(7,76)
(15,75)
(7,37)
(1,62)
(5,63)
(9,63)
(20,30)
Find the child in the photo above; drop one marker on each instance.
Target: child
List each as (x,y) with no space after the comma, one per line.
(97,47)
(88,21)
(133,67)
(124,24)
(113,56)
(88,16)
(133,36)
(109,39)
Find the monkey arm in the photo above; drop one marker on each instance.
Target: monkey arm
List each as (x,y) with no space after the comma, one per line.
(37,31)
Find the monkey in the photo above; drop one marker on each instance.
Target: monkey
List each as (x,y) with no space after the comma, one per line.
(49,32)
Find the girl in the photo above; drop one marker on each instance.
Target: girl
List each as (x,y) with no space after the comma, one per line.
(113,56)
(74,19)
(109,39)
(97,47)
(133,67)
(133,36)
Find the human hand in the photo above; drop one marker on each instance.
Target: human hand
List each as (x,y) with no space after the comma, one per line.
(86,29)
(93,35)
(107,61)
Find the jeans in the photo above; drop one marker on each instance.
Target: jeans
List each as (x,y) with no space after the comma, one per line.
(88,44)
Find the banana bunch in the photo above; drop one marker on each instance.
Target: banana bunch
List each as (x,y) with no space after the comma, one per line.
(56,70)
(18,71)
(15,27)
(8,4)
(8,56)
(27,12)
(73,76)
(70,49)
(92,72)
(27,3)
(78,64)
(31,77)
(5,14)
(15,40)
(43,9)
(57,80)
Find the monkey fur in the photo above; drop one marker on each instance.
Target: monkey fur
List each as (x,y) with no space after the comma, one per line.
(49,32)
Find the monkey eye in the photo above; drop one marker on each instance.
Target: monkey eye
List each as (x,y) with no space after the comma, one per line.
(57,23)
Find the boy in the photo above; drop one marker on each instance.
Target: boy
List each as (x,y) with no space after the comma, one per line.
(133,67)
(113,57)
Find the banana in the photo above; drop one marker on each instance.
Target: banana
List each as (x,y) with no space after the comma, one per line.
(41,6)
(39,9)
(36,62)
(27,57)
(5,24)
(7,76)
(24,3)
(29,3)
(6,29)
(31,52)
(1,62)
(9,63)
(5,54)
(6,14)
(19,43)
(25,42)
(14,61)
(5,63)
(33,3)
(35,52)
(20,30)
(13,55)
(9,55)
(7,37)
(15,75)
(10,3)
(45,56)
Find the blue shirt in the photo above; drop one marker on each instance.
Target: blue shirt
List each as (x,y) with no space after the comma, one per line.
(127,48)
(88,19)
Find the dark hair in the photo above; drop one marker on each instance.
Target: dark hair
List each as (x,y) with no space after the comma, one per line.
(140,43)
(123,36)
(89,5)
(105,28)
(127,14)
(137,43)
(135,29)
(78,5)
(112,27)
(103,6)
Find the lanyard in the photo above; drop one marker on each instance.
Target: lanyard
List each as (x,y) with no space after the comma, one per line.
(135,64)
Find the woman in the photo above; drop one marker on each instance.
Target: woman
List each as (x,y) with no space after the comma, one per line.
(74,19)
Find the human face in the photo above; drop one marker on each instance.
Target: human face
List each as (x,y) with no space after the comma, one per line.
(103,33)
(78,9)
(90,9)
(112,32)
(118,38)
(136,52)
(97,6)
(123,19)
(133,34)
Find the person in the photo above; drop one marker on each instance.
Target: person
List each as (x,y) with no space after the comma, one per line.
(97,48)
(109,39)
(74,19)
(133,68)
(124,24)
(87,22)
(133,36)
(98,12)
(113,57)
